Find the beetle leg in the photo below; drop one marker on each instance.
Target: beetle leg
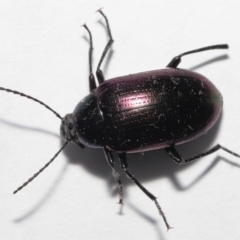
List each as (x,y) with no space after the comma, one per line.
(124,164)
(116,175)
(172,152)
(99,72)
(92,83)
(176,60)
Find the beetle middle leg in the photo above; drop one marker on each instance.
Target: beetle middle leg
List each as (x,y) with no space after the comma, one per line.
(172,152)
(176,60)
(99,72)
(116,175)
(124,164)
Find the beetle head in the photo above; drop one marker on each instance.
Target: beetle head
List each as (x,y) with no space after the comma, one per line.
(68,130)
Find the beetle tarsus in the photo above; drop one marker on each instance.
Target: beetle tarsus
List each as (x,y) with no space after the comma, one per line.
(99,10)
(163,215)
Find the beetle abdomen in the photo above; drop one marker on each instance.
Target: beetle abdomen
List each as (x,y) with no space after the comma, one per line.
(154,109)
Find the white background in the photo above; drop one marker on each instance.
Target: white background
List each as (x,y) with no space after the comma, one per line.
(44,53)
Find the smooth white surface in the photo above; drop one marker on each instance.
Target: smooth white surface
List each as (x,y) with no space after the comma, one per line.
(44,53)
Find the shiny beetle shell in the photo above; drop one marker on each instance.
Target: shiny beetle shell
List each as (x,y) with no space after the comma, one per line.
(149,110)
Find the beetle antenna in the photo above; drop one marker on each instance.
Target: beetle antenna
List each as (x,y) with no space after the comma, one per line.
(41,170)
(32,98)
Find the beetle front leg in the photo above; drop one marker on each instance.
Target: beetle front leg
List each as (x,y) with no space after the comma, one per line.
(92,83)
(116,175)
(124,164)
(172,152)
(99,72)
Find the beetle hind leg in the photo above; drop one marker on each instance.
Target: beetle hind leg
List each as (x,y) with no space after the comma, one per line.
(116,175)
(99,72)
(124,164)
(172,152)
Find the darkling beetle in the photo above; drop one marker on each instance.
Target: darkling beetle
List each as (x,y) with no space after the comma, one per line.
(141,112)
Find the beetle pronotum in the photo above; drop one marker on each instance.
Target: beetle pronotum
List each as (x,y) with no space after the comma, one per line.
(140,112)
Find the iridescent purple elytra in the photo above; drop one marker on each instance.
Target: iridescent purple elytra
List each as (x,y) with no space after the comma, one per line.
(146,111)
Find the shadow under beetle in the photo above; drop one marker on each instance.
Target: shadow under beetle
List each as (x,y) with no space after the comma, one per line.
(141,112)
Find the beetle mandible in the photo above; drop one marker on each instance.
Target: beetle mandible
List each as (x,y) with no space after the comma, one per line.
(140,112)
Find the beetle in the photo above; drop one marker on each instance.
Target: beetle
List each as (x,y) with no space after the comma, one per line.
(140,112)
